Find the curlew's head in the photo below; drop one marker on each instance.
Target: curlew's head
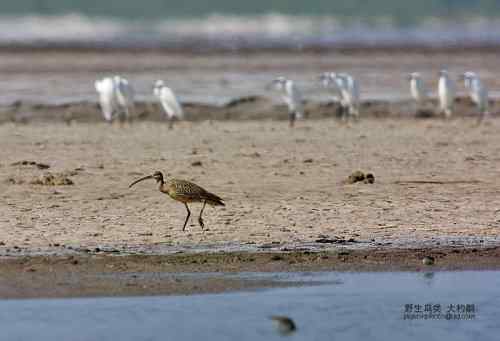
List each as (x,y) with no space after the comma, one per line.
(158,176)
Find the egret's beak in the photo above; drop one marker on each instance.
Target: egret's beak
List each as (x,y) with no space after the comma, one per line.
(141,179)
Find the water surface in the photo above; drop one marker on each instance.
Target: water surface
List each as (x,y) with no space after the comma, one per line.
(346,306)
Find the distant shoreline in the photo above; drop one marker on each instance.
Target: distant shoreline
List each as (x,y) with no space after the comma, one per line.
(194,48)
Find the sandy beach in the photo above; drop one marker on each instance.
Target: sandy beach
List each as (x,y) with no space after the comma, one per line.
(434,181)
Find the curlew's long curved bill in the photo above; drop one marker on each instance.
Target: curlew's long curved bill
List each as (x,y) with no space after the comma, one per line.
(141,179)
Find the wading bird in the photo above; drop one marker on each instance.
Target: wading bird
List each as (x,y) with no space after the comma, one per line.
(477,93)
(291,96)
(346,89)
(349,88)
(107,99)
(446,93)
(124,96)
(417,88)
(332,83)
(169,102)
(335,84)
(185,192)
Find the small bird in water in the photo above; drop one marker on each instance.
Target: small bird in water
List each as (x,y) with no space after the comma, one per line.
(284,324)
(428,260)
(185,192)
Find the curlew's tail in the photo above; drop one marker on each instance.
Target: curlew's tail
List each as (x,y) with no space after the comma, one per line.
(214,200)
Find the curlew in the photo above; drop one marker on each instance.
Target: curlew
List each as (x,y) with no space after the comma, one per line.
(184,192)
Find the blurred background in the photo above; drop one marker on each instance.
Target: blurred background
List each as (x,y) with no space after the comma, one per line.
(52,51)
(229,24)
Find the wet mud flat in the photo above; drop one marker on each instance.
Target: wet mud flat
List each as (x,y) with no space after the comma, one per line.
(237,109)
(182,274)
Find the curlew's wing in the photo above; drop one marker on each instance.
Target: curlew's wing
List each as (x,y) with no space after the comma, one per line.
(188,191)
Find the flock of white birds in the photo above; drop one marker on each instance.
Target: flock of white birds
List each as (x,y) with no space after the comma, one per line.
(446,91)
(116,95)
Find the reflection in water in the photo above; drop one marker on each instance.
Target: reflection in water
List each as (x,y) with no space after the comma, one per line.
(428,278)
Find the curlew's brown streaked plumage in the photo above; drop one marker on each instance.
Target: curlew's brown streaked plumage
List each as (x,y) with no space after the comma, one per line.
(185,192)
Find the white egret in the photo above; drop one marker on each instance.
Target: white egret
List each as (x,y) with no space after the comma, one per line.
(124,96)
(292,97)
(332,83)
(446,93)
(335,85)
(417,88)
(349,88)
(477,92)
(107,99)
(169,102)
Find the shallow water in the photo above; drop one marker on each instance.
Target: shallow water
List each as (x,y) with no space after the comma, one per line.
(348,306)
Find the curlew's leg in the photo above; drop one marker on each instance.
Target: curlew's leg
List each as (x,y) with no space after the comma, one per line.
(170,123)
(187,218)
(200,219)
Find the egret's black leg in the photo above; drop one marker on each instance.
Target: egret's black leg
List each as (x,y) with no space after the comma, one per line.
(187,218)
(291,118)
(200,218)
(480,119)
